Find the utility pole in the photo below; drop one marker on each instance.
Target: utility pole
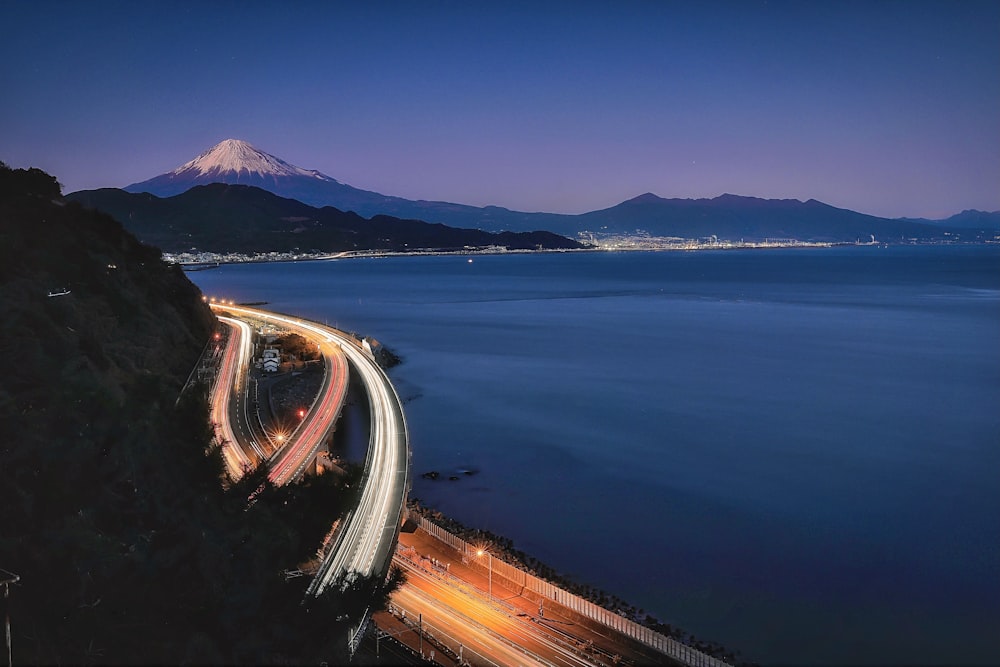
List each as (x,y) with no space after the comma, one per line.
(379,634)
(7,579)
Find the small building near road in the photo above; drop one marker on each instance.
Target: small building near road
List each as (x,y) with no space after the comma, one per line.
(270,360)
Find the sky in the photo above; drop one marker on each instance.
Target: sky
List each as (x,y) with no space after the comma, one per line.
(888,108)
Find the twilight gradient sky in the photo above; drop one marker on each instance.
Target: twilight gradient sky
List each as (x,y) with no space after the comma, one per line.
(889,108)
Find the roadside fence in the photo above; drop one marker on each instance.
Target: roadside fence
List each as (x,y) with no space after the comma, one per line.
(519,578)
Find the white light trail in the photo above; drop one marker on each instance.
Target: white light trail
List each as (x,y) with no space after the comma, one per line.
(368,535)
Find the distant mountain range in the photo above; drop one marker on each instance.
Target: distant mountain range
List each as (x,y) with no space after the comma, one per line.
(968,219)
(243,218)
(728,216)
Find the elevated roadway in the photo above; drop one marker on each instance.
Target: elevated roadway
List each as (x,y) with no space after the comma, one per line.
(469,606)
(243,438)
(366,540)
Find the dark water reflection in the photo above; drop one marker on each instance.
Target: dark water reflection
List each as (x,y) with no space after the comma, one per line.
(794,453)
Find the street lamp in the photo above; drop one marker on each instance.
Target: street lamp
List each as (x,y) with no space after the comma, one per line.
(480,553)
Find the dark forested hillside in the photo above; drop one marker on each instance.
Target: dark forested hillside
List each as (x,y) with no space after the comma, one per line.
(129,547)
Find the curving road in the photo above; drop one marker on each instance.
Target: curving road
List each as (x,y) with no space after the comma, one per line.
(231,375)
(290,461)
(366,538)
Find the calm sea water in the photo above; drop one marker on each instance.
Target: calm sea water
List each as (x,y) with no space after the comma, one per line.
(795,453)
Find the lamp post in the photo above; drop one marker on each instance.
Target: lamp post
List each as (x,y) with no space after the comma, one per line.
(480,553)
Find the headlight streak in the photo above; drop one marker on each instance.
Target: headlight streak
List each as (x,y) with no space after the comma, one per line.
(236,459)
(368,534)
(240,375)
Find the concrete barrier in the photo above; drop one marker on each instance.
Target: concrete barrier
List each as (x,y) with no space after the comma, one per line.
(518,577)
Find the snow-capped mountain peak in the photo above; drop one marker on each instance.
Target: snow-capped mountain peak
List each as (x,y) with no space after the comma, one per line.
(235,156)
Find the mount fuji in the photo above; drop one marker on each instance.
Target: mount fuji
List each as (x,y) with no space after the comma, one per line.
(232,160)
(237,162)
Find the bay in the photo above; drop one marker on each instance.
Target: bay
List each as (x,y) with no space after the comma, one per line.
(791,452)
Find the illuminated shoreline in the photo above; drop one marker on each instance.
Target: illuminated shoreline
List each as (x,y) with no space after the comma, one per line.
(206,260)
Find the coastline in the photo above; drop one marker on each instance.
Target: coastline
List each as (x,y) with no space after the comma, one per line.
(211,260)
(202,261)
(503,549)
(372,320)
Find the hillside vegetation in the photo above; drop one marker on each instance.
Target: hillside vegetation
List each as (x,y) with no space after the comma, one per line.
(131,545)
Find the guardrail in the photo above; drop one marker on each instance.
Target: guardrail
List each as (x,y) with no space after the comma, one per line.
(518,577)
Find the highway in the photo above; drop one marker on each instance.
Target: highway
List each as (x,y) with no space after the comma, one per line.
(289,461)
(476,643)
(231,375)
(246,428)
(241,432)
(366,539)
(490,631)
